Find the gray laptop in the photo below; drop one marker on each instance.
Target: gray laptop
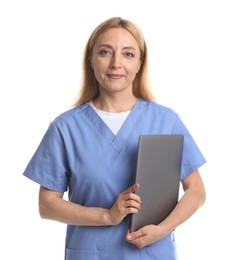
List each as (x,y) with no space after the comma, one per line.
(158,173)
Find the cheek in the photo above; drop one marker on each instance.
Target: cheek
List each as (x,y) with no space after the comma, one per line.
(132,70)
(132,66)
(98,66)
(99,74)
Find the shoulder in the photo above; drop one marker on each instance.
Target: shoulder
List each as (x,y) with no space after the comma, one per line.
(72,115)
(157,108)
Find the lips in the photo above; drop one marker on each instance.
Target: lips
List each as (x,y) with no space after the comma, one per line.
(115,76)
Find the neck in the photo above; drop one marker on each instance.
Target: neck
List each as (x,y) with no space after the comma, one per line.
(113,104)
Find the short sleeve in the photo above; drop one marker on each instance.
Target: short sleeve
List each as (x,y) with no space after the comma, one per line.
(192,157)
(48,166)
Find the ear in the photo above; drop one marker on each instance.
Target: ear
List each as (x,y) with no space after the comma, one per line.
(138,67)
(91,63)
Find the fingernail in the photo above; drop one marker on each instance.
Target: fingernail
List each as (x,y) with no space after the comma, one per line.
(129,237)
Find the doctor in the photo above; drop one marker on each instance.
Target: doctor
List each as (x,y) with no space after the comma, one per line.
(90,151)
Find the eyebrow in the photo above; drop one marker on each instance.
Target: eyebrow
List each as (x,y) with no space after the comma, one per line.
(109,46)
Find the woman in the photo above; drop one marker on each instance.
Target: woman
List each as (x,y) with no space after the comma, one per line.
(90,152)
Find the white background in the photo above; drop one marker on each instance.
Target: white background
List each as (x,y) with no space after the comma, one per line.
(41,45)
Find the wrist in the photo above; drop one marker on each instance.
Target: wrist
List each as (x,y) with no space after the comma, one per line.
(166,228)
(107,218)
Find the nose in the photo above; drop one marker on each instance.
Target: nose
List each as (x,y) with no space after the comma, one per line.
(115,61)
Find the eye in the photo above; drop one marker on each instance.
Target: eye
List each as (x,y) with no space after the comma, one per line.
(104,52)
(129,54)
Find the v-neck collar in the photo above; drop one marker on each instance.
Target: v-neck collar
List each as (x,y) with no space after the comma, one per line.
(116,141)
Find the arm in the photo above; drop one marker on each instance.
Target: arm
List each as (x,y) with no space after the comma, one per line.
(192,199)
(53,206)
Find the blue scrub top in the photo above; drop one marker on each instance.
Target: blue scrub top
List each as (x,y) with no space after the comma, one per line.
(79,153)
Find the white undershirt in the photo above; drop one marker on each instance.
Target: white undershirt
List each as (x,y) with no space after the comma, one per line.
(113,120)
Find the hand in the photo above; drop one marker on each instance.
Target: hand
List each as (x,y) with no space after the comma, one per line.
(126,203)
(145,236)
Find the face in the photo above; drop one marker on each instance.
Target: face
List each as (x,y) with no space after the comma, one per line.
(115,60)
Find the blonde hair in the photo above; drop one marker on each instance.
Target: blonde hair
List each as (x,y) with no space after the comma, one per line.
(89,87)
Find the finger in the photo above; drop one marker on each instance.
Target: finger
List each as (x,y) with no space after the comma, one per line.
(132,204)
(135,235)
(136,238)
(131,197)
(139,242)
(133,188)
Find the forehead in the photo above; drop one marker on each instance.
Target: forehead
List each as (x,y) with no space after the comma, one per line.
(117,37)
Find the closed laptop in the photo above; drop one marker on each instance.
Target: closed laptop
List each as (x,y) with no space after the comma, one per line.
(158,173)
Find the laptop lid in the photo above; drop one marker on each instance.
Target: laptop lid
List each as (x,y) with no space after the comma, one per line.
(158,173)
